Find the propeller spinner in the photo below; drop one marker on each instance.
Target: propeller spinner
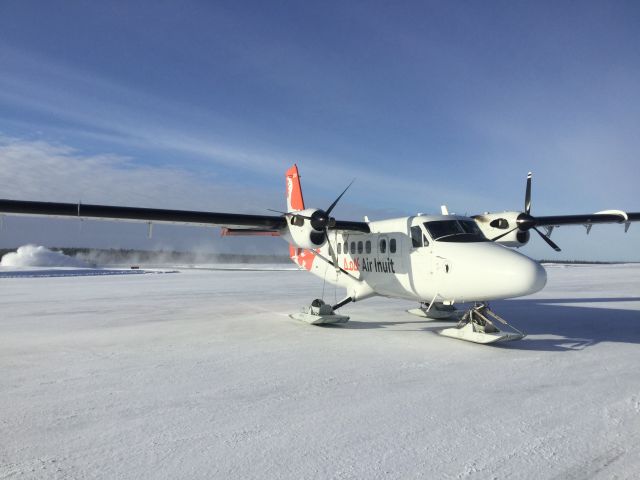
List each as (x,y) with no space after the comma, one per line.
(526,221)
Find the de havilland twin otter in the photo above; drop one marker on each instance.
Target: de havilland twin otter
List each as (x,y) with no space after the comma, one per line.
(436,260)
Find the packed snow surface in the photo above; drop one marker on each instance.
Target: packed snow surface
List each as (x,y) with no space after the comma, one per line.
(29,260)
(38,256)
(202,374)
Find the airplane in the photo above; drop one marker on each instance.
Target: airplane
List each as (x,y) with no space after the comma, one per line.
(436,260)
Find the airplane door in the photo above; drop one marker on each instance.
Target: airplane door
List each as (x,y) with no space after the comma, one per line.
(386,268)
(421,263)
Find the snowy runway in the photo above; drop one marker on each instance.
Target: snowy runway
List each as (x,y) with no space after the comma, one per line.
(202,374)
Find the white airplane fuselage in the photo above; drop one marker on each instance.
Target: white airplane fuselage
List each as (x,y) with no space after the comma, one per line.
(401,259)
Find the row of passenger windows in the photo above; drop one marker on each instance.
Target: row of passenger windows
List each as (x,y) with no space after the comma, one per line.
(365,247)
(440,230)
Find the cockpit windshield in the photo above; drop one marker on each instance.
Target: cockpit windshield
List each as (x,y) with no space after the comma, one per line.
(455,231)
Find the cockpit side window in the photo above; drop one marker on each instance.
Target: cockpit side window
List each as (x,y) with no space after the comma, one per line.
(418,238)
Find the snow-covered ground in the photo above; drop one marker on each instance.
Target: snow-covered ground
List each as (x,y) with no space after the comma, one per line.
(201,374)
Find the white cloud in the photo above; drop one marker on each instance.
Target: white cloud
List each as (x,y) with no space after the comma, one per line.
(38,170)
(98,109)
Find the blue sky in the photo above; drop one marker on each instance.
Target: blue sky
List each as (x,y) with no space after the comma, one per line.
(204,105)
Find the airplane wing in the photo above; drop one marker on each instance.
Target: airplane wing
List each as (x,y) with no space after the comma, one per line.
(608,216)
(266,223)
(512,228)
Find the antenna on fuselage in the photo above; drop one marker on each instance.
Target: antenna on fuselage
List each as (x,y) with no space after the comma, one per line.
(444,210)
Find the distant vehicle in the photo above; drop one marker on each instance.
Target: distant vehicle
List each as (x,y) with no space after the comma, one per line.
(437,260)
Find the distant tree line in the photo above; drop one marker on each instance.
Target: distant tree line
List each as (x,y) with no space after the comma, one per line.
(121,256)
(581,262)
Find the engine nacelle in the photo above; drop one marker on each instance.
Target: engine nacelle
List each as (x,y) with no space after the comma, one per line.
(300,229)
(495,224)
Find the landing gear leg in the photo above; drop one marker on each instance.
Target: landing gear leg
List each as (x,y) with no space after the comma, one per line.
(478,324)
(436,311)
(319,313)
(342,303)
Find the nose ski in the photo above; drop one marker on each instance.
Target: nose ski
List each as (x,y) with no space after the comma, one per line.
(477,327)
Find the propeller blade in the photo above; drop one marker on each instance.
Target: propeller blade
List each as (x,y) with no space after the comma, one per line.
(338,199)
(503,234)
(332,253)
(276,211)
(291,214)
(548,240)
(527,196)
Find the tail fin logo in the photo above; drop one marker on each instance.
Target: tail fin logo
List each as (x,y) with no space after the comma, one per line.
(302,257)
(294,190)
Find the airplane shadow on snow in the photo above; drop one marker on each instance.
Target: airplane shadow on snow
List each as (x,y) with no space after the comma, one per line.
(575,326)
(572,326)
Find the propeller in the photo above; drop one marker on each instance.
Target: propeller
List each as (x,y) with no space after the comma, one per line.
(321,220)
(526,221)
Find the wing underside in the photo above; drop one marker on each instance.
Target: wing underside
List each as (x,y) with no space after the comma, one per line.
(235,222)
(587,219)
(135,214)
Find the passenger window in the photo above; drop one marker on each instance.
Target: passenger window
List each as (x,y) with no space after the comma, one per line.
(383,245)
(346,247)
(392,245)
(339,248)
(353,247)
(360,247)
(367,246)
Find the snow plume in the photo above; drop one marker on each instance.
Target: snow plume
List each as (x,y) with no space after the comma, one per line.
(33,256)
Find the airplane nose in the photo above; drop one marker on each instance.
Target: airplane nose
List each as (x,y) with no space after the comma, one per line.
(492,272)
(532,277)
(517,275)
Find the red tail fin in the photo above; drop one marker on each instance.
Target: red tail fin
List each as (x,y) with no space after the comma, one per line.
(302,257)
(294,191)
